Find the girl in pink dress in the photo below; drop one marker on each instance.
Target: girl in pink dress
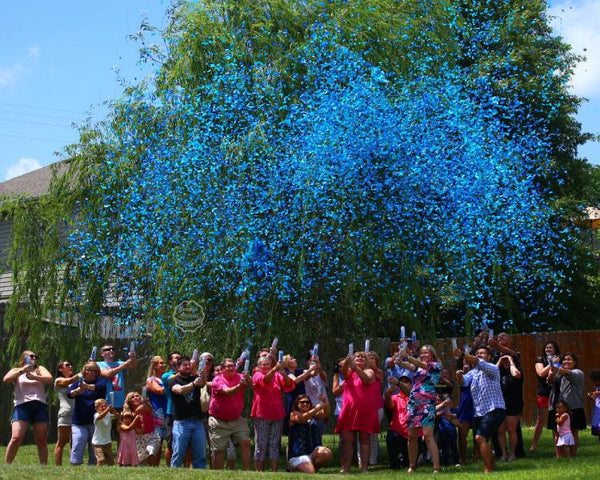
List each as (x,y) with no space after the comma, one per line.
(127,454)
(359,411)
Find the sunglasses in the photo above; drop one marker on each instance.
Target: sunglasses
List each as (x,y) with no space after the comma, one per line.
(33,356)
(67,364)
(110,349)
(304,401)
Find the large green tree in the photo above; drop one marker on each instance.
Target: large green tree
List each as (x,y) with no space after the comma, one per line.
(231,75)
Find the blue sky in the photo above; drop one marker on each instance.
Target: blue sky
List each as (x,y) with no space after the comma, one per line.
(59,61)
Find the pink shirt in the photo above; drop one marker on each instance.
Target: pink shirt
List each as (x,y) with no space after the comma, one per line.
(268,402)
(226,407)
(29,390)
(399,421)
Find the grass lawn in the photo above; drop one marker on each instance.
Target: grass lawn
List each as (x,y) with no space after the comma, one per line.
(540,465)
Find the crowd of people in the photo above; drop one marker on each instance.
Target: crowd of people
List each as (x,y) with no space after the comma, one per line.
(193,406)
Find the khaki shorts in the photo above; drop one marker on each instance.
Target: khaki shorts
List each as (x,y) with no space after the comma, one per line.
(220,432)
(104,454)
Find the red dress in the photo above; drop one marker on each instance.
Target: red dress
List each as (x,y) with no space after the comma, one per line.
(359,411)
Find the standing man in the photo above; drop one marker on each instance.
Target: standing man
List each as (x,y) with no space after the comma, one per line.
(112,370)
(490,410)
(188,429)
(225,422)
(172,360)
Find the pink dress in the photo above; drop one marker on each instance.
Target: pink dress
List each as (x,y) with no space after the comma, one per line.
(359,410)
(127,454)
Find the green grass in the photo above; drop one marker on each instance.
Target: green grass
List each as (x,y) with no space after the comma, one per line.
(541,465)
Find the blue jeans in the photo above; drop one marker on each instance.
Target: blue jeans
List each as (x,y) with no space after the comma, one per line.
(189,433)
(80,436)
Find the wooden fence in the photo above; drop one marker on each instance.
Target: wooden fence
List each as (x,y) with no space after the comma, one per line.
(585,344)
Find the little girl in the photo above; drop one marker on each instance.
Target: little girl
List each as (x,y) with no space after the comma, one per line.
(595,396)
(127,454)
(563,427)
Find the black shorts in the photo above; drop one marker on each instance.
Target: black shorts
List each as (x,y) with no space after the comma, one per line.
(488,425)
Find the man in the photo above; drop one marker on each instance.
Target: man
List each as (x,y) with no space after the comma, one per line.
(490,410)
(225,422)
(172,360)
(112,370)
(188,429)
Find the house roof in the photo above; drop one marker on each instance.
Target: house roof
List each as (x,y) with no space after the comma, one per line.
(32,184)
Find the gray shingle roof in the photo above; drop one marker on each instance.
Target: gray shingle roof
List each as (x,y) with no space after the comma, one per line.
(32,184)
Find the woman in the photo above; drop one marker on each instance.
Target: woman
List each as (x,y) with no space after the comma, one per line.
(511,382)
(31,405)
(465,415)
(379,403)
(64,379)
(359,412)
(269,383)
(551,351)
(297,375)
(567,385)
(158,398)
(305,452)
(147,439)
(85,390)
(421,403)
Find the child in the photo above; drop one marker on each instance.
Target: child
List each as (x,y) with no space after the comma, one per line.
(101,440)
(595,395)
(127,455)
(447,435)
(396,400)
(563,427)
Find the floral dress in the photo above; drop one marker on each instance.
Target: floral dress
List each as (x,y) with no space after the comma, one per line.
(422,399)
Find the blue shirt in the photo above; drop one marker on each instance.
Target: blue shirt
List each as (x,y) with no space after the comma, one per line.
(115,383)
(484,380)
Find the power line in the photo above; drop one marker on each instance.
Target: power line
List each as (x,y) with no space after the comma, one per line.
(36,115)
(41,108)
(35,123)
(36,138)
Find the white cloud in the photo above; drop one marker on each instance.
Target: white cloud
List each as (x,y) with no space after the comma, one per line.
(23,166)
(22,66)
(577,22)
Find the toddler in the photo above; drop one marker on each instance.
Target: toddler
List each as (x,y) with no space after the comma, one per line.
(101,439)
(127,455)
(563,426)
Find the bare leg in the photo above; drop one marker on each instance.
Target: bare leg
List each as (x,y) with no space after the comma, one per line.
(501,434)
(486,454)
(511,423)
(40,433)
(347,449)
(432,447)
(245,454)
(413,448)
(364,439)
(540,423)
(63,437)
(219,460)
(18,429)
(573,448)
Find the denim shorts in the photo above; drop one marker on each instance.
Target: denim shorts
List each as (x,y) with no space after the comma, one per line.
(487,425)
(33,411)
